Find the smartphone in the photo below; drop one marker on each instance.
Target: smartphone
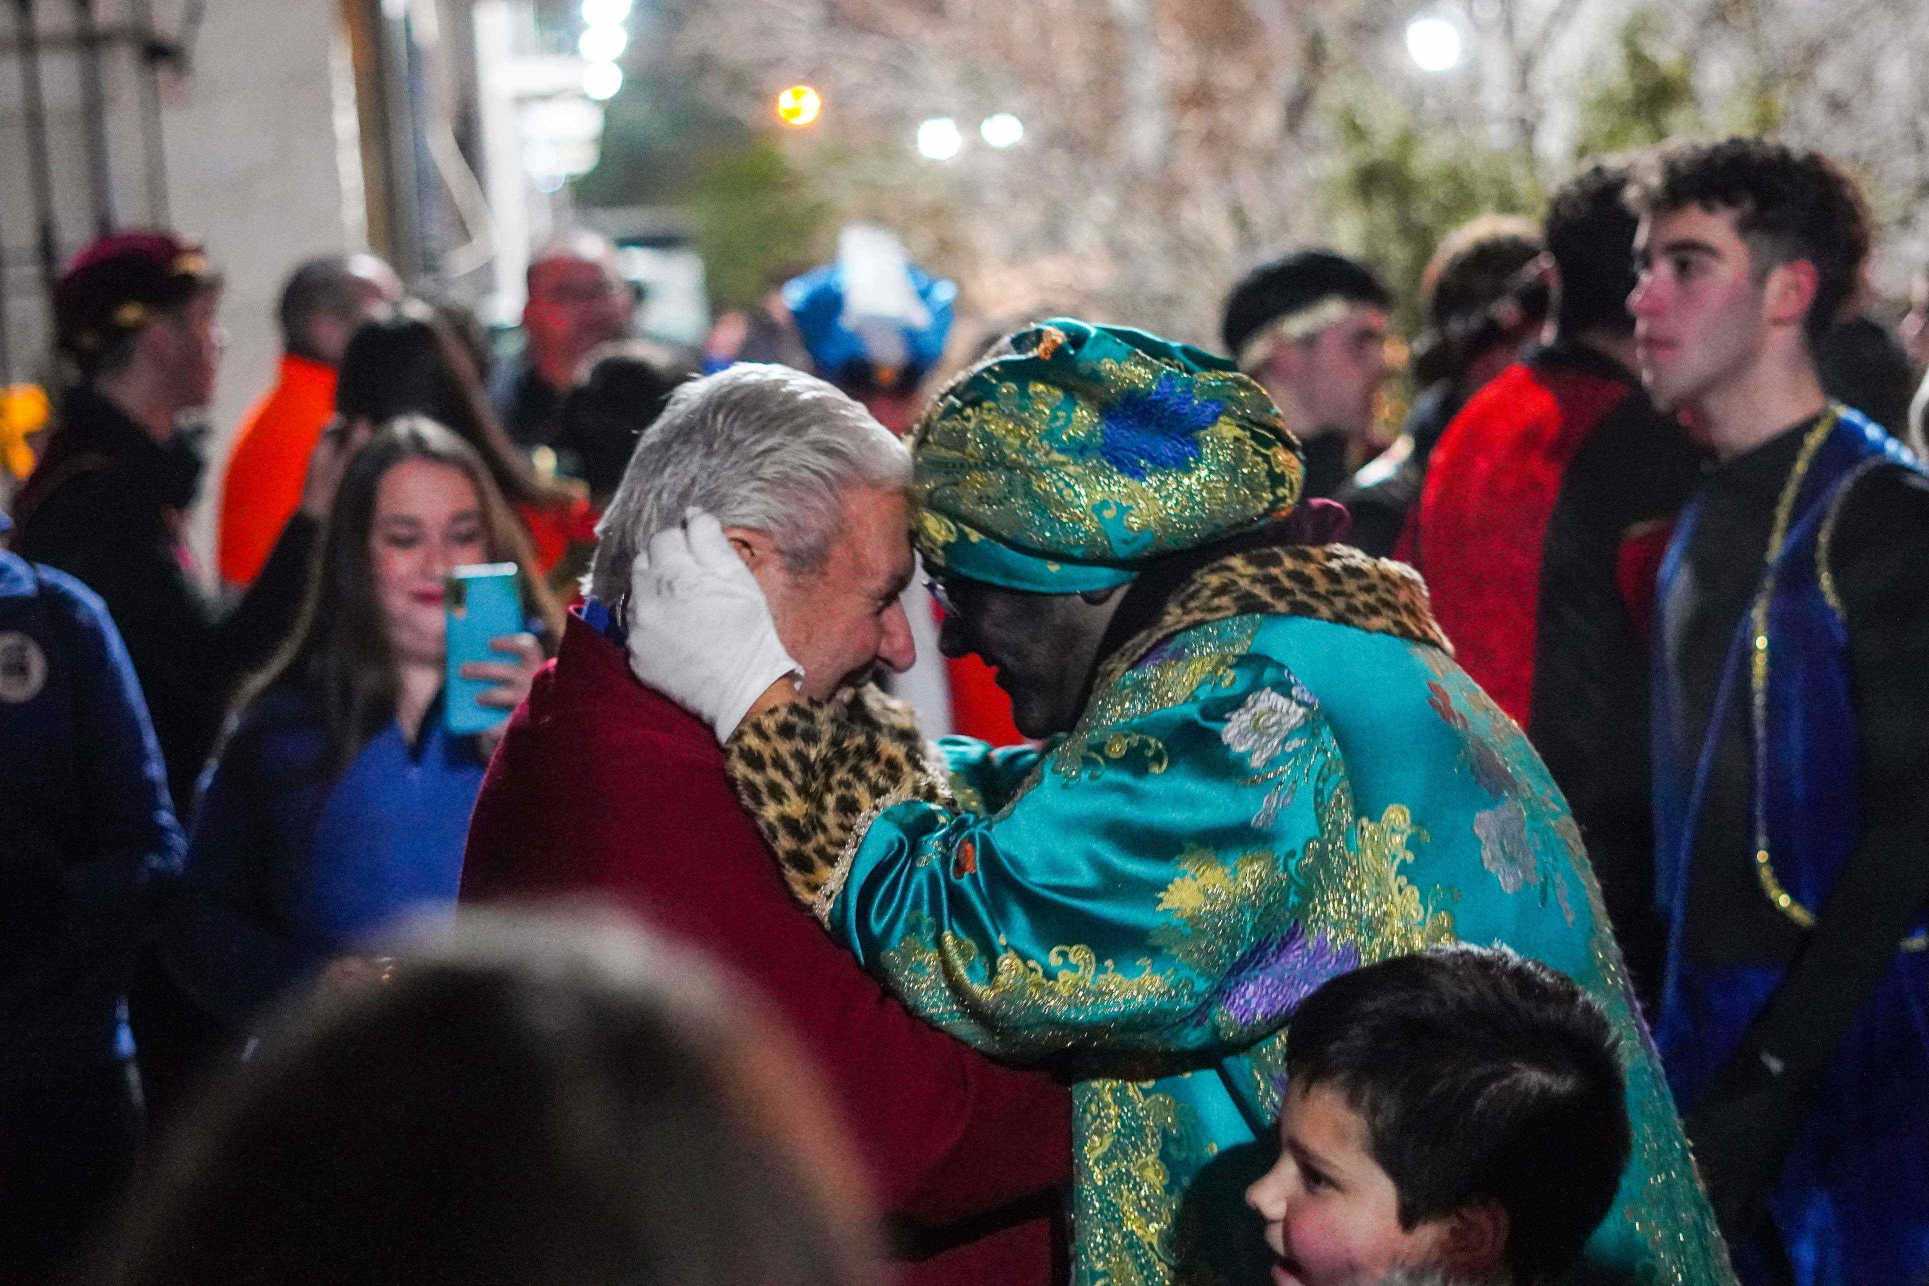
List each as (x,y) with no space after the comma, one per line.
(484,602)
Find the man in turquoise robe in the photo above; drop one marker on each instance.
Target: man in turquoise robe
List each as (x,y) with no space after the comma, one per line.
(1263,769)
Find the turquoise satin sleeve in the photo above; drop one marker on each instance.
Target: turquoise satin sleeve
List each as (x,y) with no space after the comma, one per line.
(985,777)
(1109,904)
(1257,806)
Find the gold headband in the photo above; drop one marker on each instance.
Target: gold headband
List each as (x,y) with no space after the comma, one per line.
(1301,323)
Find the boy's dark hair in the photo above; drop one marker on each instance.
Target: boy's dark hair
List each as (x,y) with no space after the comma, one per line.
(1788,205)
(1590,234)
(1482,1077)
(1296,281)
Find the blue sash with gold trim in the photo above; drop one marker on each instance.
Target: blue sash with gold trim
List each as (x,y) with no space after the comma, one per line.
(1851,1201)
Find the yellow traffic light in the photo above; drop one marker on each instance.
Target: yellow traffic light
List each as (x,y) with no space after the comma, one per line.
(799,105)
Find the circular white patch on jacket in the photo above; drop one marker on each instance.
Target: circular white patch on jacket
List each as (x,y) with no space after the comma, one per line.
(23,668)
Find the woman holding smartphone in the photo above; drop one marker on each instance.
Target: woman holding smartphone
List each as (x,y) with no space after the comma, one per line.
(340,799)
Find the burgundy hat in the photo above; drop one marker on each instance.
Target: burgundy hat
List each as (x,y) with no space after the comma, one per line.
(115,285)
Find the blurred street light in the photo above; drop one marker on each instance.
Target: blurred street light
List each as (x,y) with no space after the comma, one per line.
(561,138)
(1434,42)
(602,80)
(939,138)
(1001,130)
(603,43)
(605,13)
(800,105)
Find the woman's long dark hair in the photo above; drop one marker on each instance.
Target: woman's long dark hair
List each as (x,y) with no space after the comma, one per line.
(339,653)
(408,363)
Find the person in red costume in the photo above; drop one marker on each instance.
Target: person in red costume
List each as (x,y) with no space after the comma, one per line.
(1540,528)
(604,787)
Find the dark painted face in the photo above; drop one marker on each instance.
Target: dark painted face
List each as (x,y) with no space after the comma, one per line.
(1041,645)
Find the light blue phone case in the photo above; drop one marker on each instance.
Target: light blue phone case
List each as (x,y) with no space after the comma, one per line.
(483,603)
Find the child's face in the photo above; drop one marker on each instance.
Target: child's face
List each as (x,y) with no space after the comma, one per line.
(1332,1214)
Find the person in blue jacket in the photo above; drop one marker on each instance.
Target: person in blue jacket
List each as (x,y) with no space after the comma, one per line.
(340,801)
(88,841)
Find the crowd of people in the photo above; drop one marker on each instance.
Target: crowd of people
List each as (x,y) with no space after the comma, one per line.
(1086,807)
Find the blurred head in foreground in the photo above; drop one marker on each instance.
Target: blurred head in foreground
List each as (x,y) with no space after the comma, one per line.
(527,1100)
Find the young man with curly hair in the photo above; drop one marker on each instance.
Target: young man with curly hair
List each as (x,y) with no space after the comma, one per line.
(1791,728)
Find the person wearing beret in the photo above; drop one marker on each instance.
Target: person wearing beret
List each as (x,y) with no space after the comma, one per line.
(135,324)
(135,329)
(1262,768)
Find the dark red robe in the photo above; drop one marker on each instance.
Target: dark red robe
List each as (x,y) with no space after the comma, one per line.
(603,787)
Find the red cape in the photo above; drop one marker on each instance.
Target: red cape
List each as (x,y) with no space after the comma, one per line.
(603,787)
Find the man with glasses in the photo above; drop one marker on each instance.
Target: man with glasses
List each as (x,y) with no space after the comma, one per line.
(576,301)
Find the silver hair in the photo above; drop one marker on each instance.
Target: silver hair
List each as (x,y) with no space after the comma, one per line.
(764,447)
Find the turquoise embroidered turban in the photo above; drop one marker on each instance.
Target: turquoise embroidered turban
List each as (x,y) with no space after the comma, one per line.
(1089,451)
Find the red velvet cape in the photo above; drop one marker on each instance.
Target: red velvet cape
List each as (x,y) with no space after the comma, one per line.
(603,787)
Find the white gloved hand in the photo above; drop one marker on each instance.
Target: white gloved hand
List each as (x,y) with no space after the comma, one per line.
(700,631)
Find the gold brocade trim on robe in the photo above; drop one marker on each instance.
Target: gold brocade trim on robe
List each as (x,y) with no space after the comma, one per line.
(1357,894)
(1206,655)
(1333,583)
(1043,1005)
(1131,1138)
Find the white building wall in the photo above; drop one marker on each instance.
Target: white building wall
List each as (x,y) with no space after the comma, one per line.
(253,161)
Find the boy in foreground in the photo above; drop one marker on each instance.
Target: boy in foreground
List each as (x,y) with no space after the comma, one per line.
(1458,1114)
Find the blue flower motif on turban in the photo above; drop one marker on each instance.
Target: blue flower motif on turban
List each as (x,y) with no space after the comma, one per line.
(1157,428)
(1076,455)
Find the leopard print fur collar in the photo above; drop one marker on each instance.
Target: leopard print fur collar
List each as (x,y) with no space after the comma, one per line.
(1336,583)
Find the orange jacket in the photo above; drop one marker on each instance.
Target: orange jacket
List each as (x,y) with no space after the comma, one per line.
(269,464)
